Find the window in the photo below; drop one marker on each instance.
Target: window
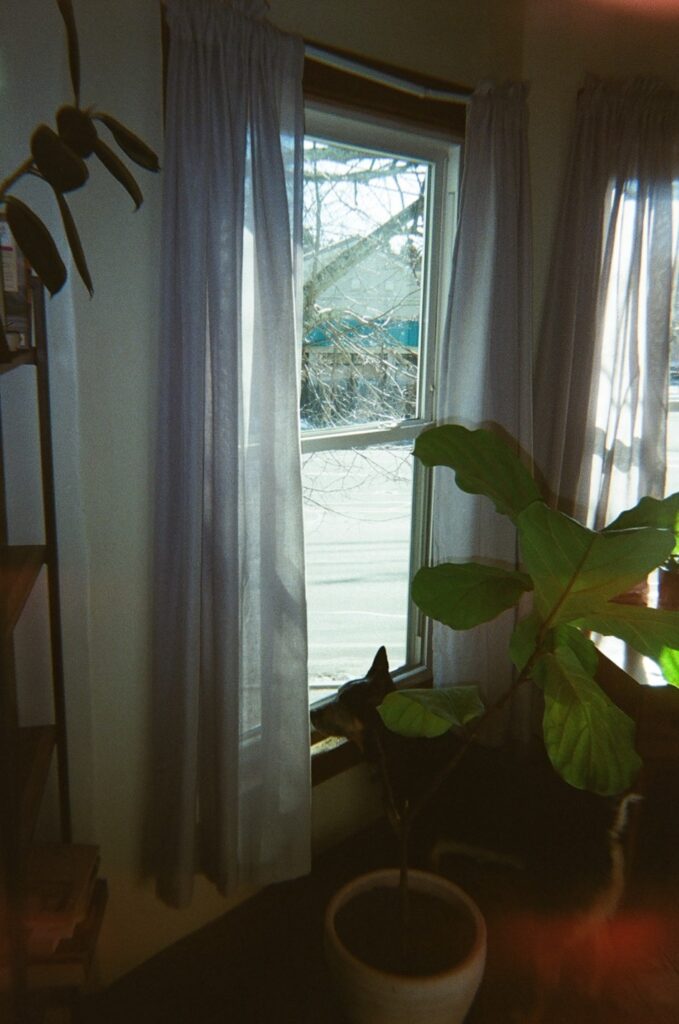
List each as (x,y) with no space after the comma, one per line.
(636,440)
(378,215)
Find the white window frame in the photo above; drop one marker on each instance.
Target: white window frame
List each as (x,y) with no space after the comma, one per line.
(444,155)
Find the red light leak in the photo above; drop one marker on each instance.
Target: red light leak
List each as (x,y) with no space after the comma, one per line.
(650,8)
(547,946)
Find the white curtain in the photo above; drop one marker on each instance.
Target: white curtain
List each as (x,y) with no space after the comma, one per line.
(602,373)
(230,713)
(486,371)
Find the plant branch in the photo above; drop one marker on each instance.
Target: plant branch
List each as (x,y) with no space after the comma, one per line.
(469,738)
(25,168)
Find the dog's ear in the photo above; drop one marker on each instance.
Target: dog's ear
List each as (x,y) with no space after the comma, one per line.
(378,674)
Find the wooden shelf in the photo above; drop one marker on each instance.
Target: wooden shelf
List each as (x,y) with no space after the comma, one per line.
(69,966)
(19,569)
(25,357)
(36,744)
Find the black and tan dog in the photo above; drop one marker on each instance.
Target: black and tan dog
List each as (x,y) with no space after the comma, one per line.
(352,711)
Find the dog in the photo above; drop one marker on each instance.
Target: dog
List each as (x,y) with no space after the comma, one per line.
(565,845)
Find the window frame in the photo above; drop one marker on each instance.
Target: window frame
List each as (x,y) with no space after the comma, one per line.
(442,156)
(442,125)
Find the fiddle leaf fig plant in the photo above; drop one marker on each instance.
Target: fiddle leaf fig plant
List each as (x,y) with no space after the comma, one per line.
(574,575)
(59,159)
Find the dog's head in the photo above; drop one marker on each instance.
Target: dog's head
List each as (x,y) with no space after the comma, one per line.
(352,711)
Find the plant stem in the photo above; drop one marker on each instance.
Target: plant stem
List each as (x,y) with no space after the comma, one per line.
(469,738)
(403,887)
(22,169)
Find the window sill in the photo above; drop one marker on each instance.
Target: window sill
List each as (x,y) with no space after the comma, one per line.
(332,755)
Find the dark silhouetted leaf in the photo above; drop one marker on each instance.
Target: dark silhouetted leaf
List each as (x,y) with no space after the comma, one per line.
(77,130)
(117,168)
(66,8)
(36,244)
(56,161)
(130,143)
(74,242)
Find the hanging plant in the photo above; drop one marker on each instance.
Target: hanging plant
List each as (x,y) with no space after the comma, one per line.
(59,159)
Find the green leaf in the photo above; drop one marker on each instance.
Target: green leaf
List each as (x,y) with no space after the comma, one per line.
(62,168)
(77,130)
(130,143)
(483,464)
(36,244)
(650,631)
(575,570)
(589,740)
(669,663)
(66,8)
(117,168)
(74,242)
(462,596)
(662,513)
(430,713)
(523,641)
(583,648)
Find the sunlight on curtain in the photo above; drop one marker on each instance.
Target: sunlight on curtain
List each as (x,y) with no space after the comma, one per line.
(231,767)
(631,391)
(485,377)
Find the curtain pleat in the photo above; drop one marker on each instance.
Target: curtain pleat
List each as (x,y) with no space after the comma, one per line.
(601,385)
(486,372)
(231,775)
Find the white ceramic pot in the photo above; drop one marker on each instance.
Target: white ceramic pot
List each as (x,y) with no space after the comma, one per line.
(372,996)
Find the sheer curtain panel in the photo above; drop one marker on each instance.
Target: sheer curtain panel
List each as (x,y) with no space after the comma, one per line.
(486,372)
(231,753)
(603,363)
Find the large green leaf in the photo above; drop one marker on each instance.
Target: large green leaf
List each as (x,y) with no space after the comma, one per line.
(430,713)
(483,464)
(662,513)
(669,663)
(462,596)
(576,570)
(654,632)
(589,740)
(583,648)
(524,639)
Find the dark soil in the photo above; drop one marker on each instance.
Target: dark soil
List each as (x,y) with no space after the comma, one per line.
(440,934)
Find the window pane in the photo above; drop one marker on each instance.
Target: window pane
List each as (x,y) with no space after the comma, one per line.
(363,264)
(357,521)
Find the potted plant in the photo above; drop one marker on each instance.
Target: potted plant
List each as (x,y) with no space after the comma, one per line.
(573,575)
